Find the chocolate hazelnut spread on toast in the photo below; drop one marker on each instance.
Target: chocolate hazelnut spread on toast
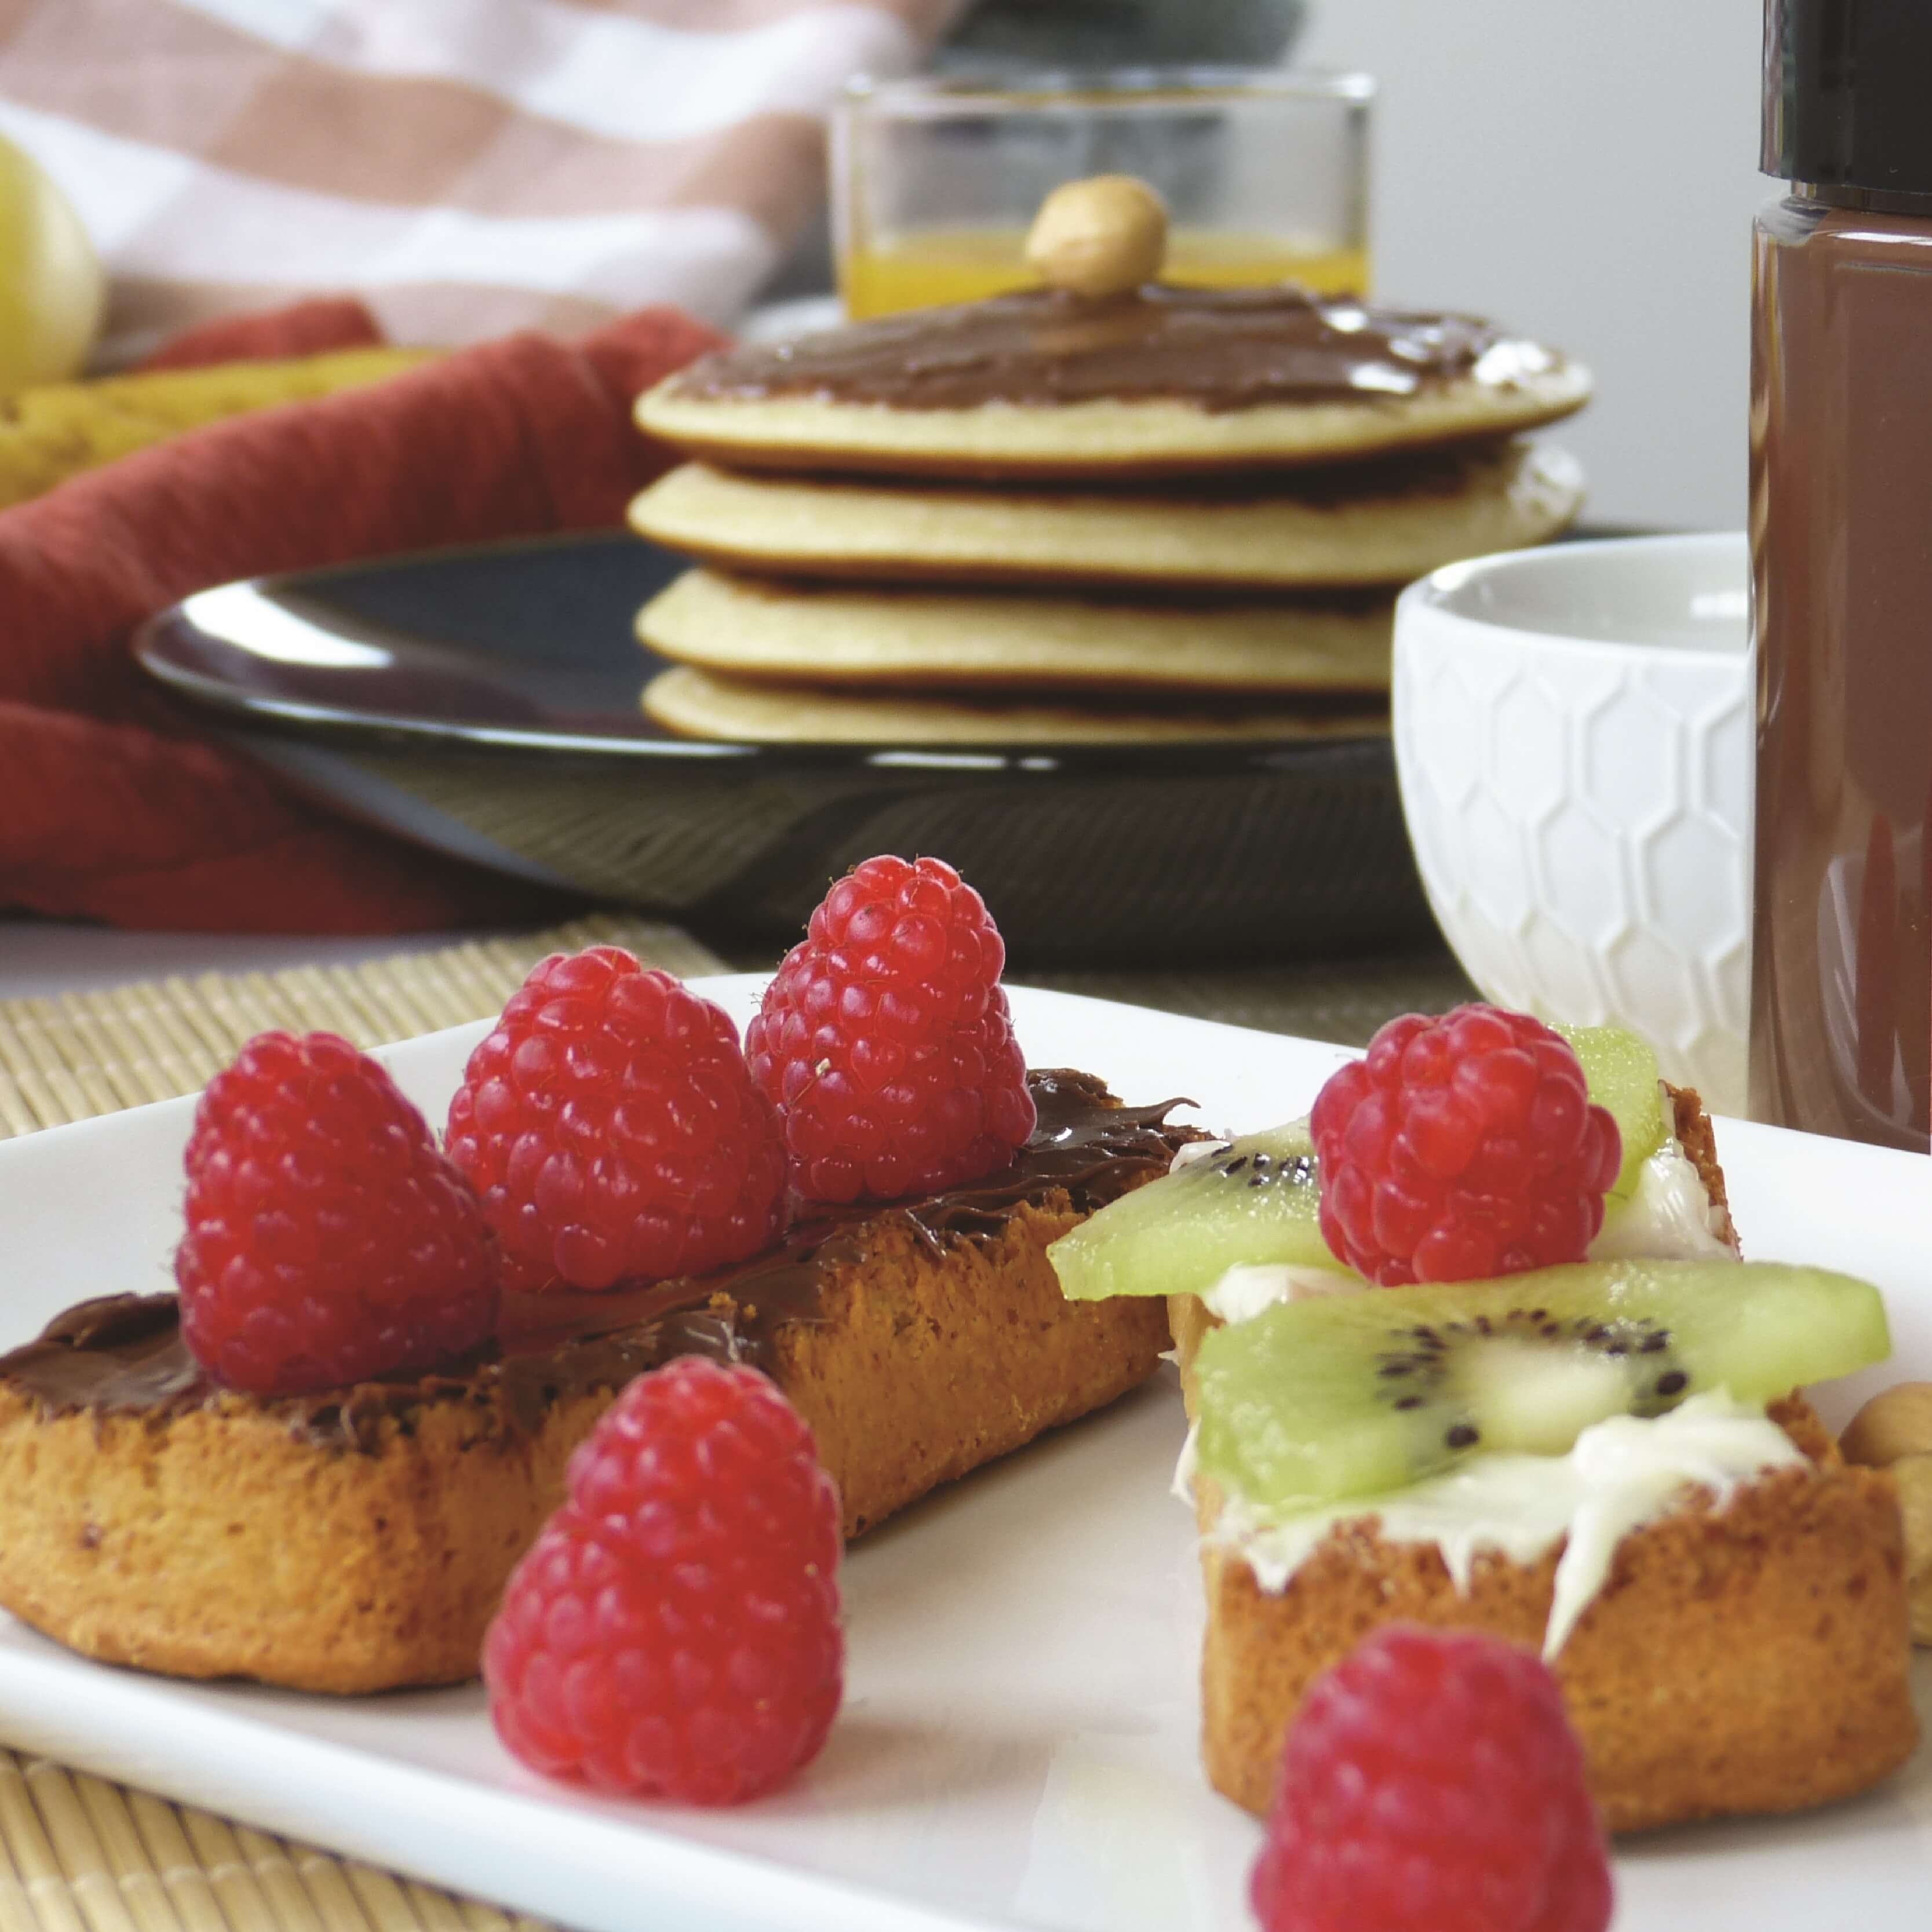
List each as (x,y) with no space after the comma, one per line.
(124,1354)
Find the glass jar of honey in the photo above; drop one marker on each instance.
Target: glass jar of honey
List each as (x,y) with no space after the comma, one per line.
(935,181)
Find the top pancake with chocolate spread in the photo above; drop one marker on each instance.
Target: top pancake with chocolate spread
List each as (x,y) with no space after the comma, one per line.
(124,1354)
(1162,378)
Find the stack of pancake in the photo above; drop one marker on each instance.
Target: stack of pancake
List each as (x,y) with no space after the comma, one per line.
(1154,513)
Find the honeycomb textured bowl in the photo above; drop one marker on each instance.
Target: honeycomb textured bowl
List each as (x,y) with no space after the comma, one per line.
(1573,743)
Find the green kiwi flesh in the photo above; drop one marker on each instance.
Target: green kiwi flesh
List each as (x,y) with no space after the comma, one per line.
(1315,1402)
(1621,1073)
(1255,1201)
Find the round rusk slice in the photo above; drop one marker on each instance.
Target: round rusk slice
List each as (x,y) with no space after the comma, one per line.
(697,704)
(1159,382)
(820,633)
(1380,523)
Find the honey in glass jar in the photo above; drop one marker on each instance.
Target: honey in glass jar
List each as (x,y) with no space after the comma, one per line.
(1264,173)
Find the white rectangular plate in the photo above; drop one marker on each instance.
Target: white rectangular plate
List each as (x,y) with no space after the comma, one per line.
(1017,1748)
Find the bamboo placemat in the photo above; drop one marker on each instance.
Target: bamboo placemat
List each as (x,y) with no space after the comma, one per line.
(78,1854)
(84,1054)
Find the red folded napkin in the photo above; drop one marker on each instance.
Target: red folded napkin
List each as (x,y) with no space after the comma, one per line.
(308,328)
(112,805)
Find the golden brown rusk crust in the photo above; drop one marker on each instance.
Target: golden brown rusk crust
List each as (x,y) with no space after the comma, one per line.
(359,1540)
(1749,1658)
(1752,1657)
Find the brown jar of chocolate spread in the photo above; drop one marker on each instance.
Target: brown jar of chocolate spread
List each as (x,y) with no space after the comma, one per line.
(1841,555)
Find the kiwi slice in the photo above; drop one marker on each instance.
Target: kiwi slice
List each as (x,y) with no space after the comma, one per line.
(1315,1402)
(1255,1201)
(1621,1072)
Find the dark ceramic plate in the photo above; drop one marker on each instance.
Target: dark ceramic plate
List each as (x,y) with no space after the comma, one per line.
(485,702)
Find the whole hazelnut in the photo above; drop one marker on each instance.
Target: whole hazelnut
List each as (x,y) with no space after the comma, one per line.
(1894,1431)
(1101,236)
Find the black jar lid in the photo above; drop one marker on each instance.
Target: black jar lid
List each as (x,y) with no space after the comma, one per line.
(1848,93)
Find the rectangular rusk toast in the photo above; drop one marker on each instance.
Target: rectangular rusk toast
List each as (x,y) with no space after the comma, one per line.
(1744,1653)
(358,1540)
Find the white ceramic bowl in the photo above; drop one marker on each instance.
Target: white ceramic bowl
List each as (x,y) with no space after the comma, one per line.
(1574,739)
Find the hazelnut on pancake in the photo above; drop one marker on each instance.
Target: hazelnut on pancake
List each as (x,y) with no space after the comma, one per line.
(1107,372)
(1160,382)
(1101,236)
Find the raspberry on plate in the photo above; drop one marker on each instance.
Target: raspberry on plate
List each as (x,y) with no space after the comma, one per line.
(674,1630)
(885,1039)
(1461,1147)
(610,1124)
(1431,1783)
(327,1240)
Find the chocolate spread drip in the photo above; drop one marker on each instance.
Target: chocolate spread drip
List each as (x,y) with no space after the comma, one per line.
(123,1354)
(1218,348)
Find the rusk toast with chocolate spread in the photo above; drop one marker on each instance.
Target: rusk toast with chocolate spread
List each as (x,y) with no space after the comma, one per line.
(358,1539)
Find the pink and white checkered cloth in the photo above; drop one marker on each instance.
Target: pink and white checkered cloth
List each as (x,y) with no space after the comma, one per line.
(467,167)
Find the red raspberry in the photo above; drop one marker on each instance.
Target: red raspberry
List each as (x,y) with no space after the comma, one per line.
(674,1630)
(1462,1148)
(327,1240)
(1432,1783)
(885,1039)
(610,1125)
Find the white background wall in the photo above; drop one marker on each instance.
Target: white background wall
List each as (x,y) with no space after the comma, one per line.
(1585,170)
